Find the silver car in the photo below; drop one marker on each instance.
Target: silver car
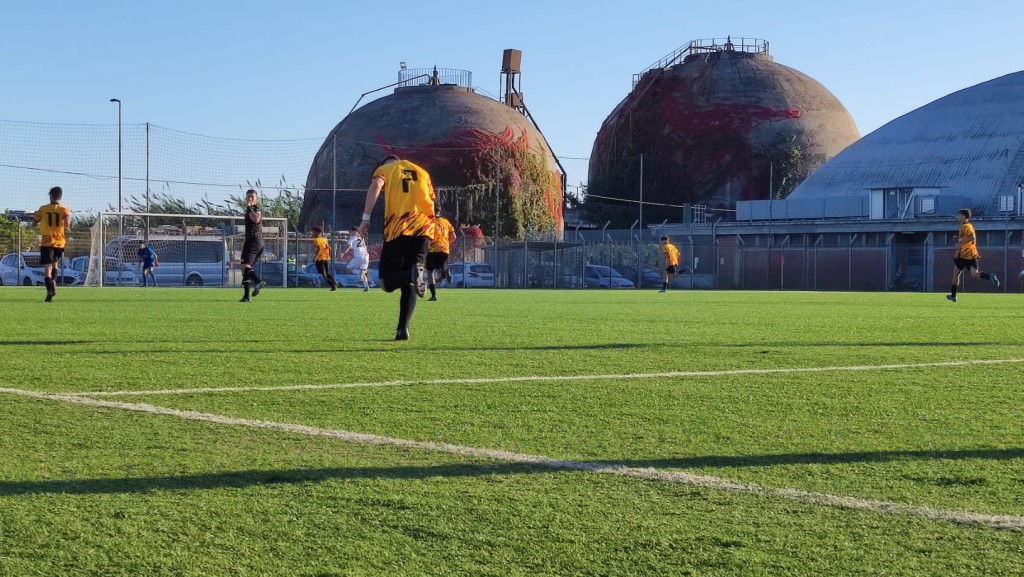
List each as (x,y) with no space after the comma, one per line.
(24,269)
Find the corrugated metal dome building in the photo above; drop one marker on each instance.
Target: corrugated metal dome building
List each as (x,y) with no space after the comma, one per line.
(969,144)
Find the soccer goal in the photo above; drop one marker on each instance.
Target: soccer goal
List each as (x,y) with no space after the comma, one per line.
(192,250)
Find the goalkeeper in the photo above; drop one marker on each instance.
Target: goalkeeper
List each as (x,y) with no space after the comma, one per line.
(147,262)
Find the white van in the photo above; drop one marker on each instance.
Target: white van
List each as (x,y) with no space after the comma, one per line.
(195,261)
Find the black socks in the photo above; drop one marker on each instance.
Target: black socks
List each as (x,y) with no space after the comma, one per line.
(408,305)
(953,291)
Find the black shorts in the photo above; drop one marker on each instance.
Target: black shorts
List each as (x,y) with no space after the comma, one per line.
(324,268)
(437,261)
(251,252)
(962,263)
(671,269)
(400,255)
(50,255)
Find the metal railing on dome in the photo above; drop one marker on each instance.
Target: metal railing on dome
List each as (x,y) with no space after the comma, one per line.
(454,76)
(705,46)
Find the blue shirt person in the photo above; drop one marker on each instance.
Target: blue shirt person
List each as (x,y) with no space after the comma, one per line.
(147,256)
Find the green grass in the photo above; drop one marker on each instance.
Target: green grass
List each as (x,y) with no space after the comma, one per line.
(91,491)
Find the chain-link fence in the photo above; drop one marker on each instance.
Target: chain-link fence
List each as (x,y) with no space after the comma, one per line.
(857,261)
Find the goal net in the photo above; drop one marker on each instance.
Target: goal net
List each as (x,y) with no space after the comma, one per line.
(192,250)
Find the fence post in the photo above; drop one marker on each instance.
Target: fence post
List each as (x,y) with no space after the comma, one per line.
(103,248)
(607,253)
(184,258)
(21,256)
(227,257)
(849,276)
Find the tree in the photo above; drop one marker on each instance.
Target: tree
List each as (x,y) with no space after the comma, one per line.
(8,234)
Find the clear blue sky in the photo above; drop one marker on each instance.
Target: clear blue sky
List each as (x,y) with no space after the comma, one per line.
(270,70)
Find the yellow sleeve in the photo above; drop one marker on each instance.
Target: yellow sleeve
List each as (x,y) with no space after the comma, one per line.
(380,173)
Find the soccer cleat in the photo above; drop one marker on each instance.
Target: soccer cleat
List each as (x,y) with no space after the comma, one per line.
(257,288)
(432,299)
(334,288)
(663,291)
(49,297)
(418,282)
(994,279)
(402,335)
(245,300)
(951,298)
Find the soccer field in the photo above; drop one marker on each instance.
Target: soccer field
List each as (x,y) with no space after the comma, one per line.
(178,432)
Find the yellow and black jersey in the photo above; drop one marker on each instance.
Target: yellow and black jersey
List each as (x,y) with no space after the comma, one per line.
(408,200)
(323,249)
(671,254)
(969,250)
(52,218)
(443,231)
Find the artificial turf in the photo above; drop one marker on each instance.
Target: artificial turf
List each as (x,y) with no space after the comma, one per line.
(94,491)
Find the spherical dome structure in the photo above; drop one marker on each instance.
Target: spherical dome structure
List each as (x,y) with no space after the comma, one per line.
(717,122)
(968,144)
(464,140)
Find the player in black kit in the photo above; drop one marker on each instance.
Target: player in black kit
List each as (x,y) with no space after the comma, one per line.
(252,250)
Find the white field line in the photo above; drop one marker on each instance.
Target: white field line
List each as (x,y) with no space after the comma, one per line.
(550,379)
(1004,522)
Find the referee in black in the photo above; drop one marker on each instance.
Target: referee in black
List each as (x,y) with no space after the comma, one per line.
(252,249)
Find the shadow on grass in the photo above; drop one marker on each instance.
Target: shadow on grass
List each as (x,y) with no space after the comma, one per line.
(44,342)
(862,345)
(383,349)
(741,461)
(252,478)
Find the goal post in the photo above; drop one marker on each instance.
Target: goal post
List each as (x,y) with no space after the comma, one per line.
(192,250)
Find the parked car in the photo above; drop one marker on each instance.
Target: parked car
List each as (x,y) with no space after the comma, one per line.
(197,261)
(342,274)
(270,272)
(597,276)
(650,279)
(113,274)
(472,274)
(24,269)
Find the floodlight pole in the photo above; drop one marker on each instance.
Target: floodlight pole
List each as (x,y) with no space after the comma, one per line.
(120,174)
(148,209)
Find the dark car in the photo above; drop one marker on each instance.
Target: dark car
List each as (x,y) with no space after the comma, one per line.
(270,273)
(650,278)
(597,276)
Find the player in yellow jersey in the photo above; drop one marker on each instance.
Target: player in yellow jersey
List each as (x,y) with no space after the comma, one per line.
(323,257)
(967,254)
(671,262)
(440,248)
(52,219)
(408,229)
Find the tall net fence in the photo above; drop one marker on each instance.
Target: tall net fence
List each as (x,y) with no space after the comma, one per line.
(193,172)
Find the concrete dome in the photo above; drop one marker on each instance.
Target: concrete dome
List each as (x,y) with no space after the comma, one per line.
(710,120)
(968,144)
(449,130)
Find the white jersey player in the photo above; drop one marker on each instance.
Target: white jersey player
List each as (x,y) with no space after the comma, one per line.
(360,256)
